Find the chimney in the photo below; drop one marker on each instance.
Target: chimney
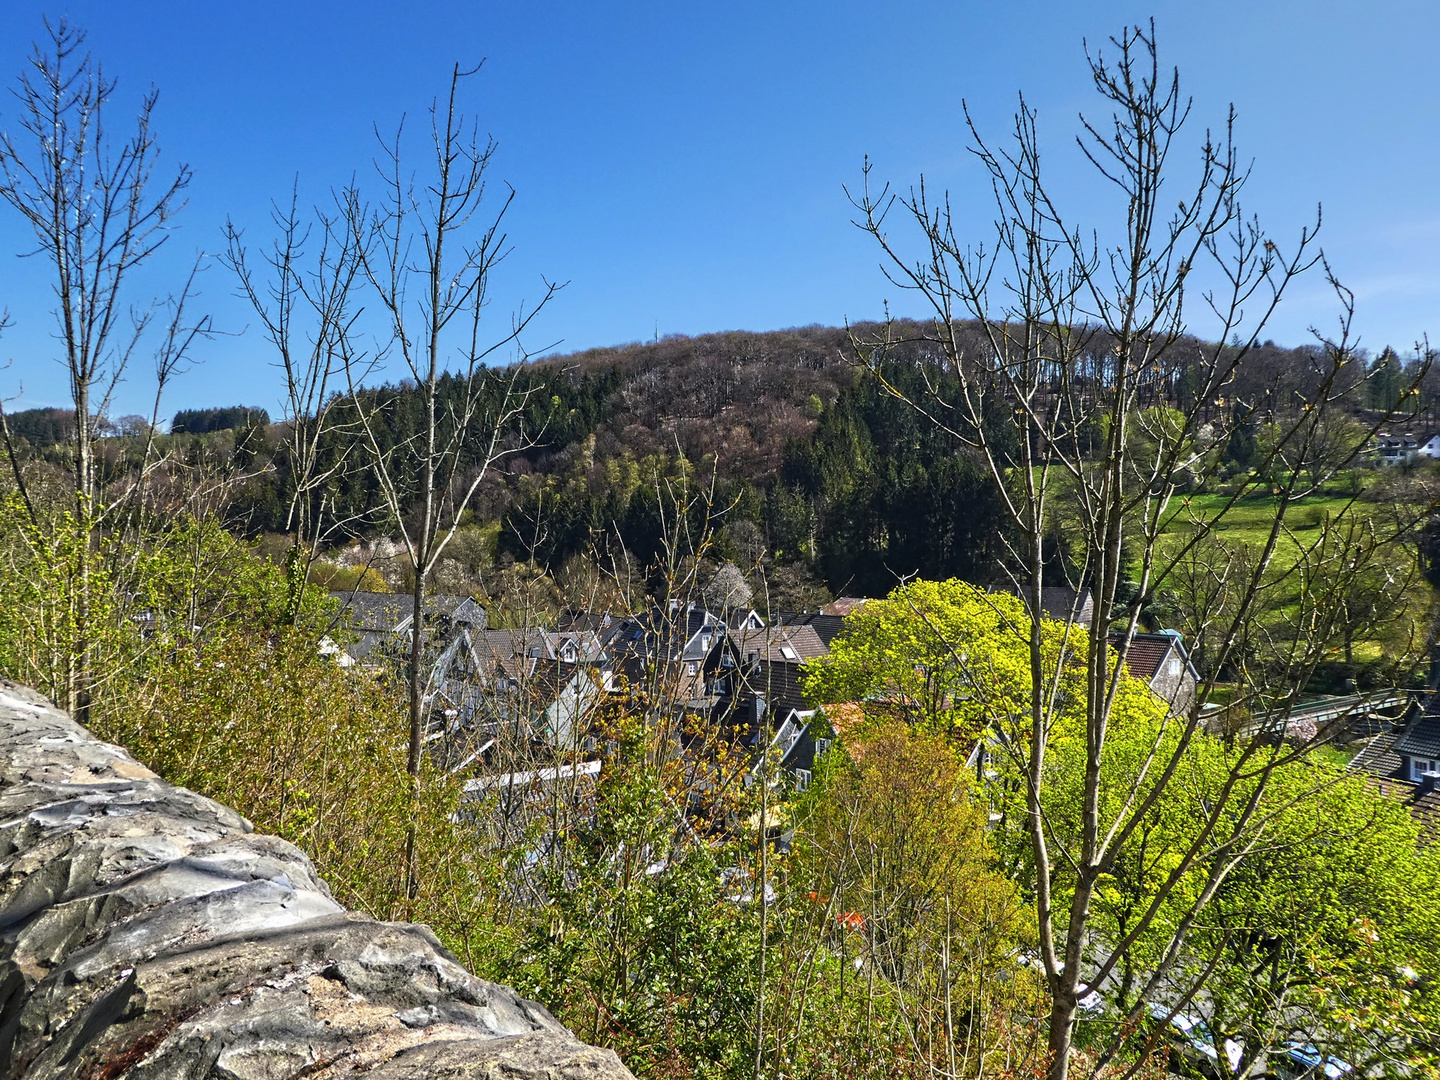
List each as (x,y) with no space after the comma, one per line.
(1427,783)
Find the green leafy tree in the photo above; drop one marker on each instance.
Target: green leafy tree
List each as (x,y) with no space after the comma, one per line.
(1076,332)
(944,654)
(1318,929)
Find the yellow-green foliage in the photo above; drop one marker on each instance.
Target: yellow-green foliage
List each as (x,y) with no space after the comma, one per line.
(307,750)
(898,874)
(63,624)
(332,577)
(945,654)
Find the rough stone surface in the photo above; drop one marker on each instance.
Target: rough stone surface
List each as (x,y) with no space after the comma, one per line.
(148,932)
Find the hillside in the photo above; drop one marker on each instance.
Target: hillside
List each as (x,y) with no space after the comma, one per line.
(789,454)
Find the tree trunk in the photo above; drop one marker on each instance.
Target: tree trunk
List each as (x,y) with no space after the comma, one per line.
(1062,1032)
(85,522)
(417,718)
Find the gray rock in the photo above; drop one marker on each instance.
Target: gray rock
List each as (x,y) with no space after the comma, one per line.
(147,933)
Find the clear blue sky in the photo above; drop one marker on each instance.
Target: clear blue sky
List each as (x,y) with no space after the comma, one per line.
(680,165)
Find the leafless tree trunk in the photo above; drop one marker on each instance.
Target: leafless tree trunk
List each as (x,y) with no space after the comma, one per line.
(427,250)
(1081,339)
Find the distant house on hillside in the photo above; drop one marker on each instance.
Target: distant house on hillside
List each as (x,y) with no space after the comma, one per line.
(1404,447)
(1161,662)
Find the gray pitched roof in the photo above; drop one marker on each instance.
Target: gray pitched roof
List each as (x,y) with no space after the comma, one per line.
(377,616)
(779,644)
(1380,760)
(827,626)
(1421,736)
(1378,757)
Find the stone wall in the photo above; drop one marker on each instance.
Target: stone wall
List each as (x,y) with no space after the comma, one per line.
(148,932)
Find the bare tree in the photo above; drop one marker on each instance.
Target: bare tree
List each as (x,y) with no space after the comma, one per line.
(98,210)
(427,250)
(1072,347)
(307,311)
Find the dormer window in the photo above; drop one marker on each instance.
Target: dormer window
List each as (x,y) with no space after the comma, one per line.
(1420,766)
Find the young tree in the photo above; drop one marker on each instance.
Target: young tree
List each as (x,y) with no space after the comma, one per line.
(306,309)
(894,853)
(426,251)
(1082,337)
(1335,900)
(940,654)
(98,210)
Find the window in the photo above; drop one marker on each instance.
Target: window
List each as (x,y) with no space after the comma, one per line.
(692,667)
(802,779)
(1420,766)
(788,653)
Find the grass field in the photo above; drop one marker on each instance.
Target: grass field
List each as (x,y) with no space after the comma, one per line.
(1250,518)
(1248,522)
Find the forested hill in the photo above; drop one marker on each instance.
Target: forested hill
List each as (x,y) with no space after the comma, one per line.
(831,483)
(828,481)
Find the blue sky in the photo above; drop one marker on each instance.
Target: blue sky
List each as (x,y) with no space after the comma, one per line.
(681,165)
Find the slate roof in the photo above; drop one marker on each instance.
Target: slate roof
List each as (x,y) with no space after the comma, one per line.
(770,665)
(1380,759)
(516,652)
(828,627)
(1421,737)
(502,652)
(574,620)
(779,644)
(780,685)
(677,635)
(1058,602)
(377,616)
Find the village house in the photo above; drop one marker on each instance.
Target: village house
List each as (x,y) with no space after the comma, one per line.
(1404,447)
(1405,762)
(664,649)
(1160,661)
(753,686)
